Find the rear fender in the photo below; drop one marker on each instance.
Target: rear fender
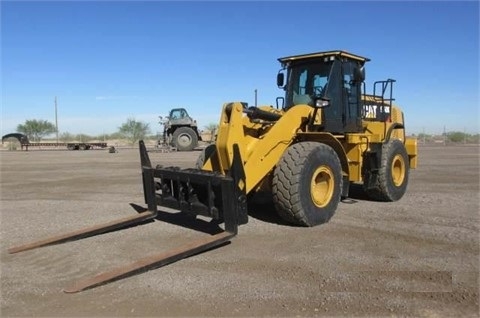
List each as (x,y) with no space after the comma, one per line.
(412,151)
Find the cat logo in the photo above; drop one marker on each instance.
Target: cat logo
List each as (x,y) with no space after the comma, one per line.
(374,111)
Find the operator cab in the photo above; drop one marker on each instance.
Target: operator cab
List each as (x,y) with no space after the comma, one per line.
(329,80)
(178,113)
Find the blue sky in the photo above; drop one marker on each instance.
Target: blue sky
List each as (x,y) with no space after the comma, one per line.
(109,61)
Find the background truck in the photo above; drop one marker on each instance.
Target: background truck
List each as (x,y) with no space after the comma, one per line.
(25,143)
(180,130)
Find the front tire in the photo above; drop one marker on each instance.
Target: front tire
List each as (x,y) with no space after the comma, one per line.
(307,184)
(185,139)
(392,179)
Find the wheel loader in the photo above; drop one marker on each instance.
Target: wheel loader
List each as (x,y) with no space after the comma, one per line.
(325,135)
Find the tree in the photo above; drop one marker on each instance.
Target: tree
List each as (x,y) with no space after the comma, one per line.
(36,129)
(211,127)
(115,135)
(456,136)
(66,137)
(83,137)
(424,137)
(134,130)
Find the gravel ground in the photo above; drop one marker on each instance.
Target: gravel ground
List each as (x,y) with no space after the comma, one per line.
(415,257)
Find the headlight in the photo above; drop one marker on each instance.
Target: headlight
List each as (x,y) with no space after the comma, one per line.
(321,103)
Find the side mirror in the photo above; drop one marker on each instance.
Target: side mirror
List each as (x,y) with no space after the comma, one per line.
(359,74)
(280,80)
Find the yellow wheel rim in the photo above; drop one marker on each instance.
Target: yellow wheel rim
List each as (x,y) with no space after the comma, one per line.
(398,170)
(322,186)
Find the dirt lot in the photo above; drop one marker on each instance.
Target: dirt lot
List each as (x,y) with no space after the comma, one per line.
(416,257)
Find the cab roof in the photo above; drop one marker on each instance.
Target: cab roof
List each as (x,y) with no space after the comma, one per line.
(338,53)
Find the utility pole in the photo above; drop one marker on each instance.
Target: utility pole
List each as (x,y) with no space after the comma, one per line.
(444,135)
(255,97)
(56,118)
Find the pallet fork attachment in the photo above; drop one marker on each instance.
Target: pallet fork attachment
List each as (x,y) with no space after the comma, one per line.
(191,191)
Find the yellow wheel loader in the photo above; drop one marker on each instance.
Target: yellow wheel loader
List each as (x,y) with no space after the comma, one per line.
(324,135)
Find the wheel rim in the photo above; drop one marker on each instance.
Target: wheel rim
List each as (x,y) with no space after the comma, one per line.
(398,170)
(322,186)
(184,140)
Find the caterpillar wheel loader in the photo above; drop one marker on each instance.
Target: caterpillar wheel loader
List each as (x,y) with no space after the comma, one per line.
(324,135)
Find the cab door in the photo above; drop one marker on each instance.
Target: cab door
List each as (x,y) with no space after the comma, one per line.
(351,93)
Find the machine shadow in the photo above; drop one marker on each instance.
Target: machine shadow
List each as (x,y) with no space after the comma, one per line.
(356,192)
(261,207)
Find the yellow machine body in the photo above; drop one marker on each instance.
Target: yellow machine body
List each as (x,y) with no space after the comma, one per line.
(262,144)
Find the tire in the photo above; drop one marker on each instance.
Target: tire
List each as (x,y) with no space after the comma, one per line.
(82,147)
(392,179)
(185,139)
(307,183)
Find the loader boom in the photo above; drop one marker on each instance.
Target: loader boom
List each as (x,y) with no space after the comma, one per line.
(263,151)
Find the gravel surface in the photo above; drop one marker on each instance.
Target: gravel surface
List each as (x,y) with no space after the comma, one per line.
(416,257)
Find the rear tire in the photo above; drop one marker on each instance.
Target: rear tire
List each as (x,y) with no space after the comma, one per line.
(392,179)
(307,184)
(185,139)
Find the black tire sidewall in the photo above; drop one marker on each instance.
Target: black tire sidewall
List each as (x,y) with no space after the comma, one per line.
(391,150)
(321,156)
(188,131)
(291,186)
